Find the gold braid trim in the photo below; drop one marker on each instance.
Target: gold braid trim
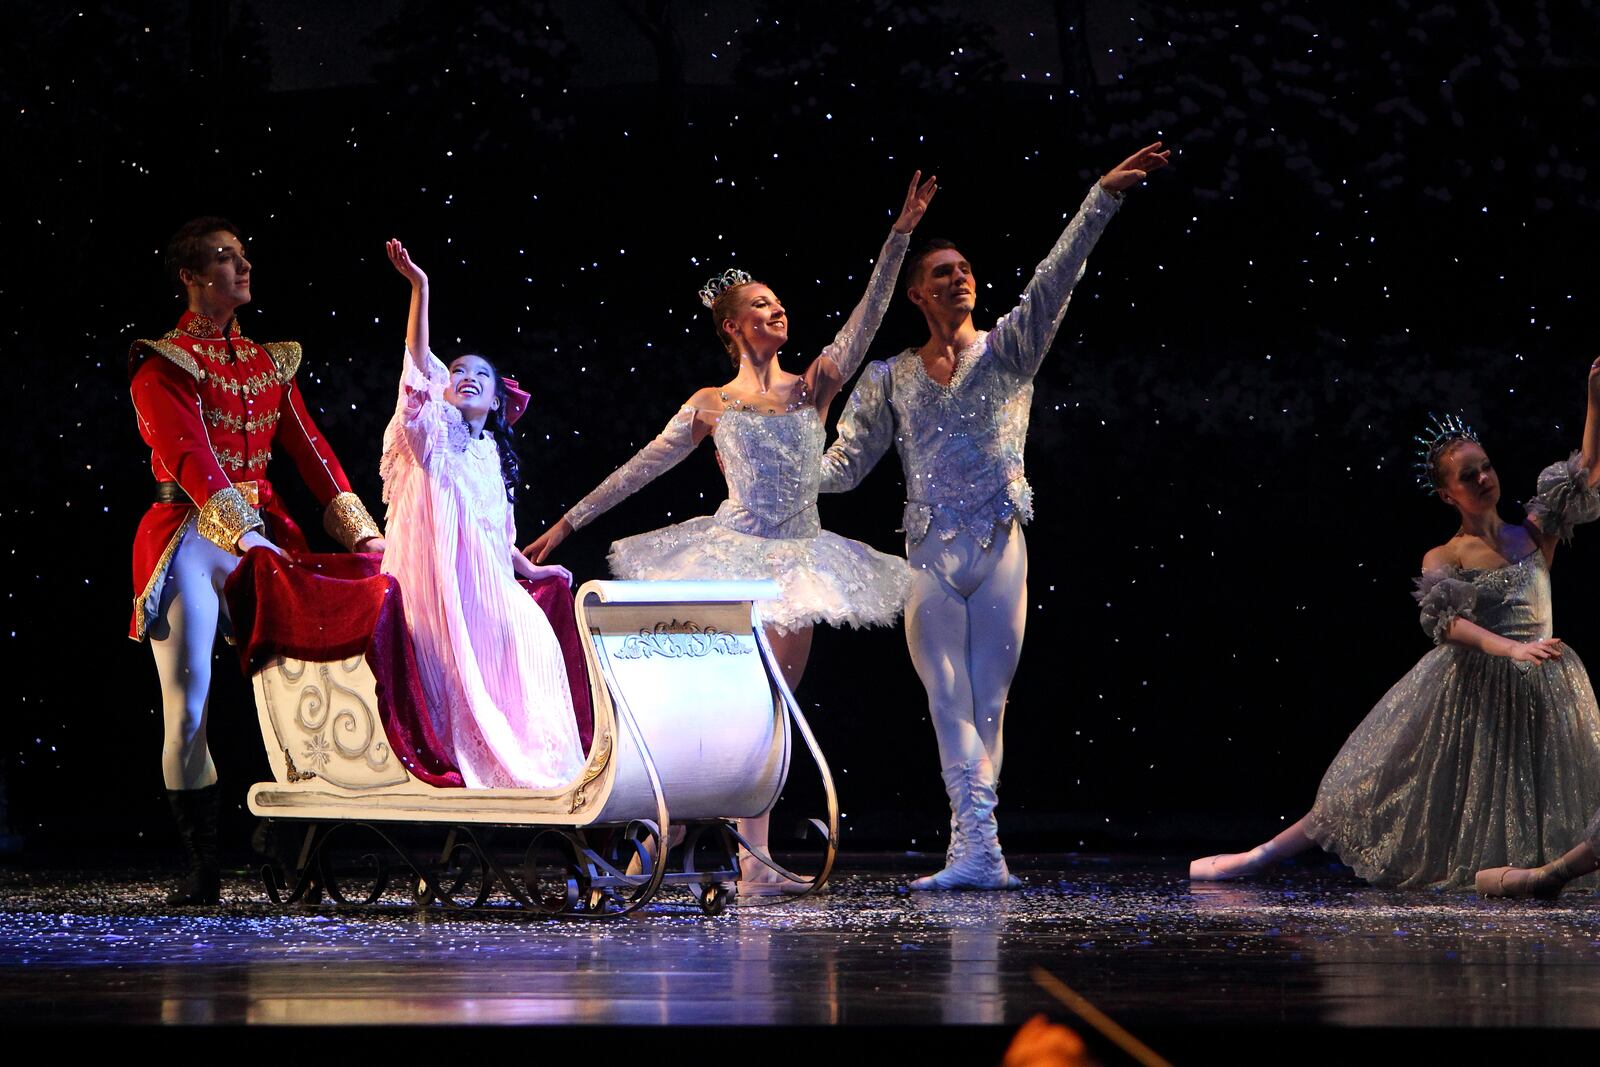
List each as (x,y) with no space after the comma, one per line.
(286,357)
(226,517)
(140,613)
(347,521)
(170,352)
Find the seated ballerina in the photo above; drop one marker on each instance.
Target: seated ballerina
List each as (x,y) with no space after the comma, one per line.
(1488,750)
(491,666)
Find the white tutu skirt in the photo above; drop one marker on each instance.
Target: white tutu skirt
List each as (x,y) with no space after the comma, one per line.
(826,578)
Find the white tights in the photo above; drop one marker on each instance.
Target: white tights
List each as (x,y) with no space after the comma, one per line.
(964,624)
(181,638)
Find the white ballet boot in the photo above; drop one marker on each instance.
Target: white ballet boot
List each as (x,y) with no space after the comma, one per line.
(957,847)
(974,860)
(954,783)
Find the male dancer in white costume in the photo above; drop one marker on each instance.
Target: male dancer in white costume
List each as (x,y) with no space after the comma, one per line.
(957,408)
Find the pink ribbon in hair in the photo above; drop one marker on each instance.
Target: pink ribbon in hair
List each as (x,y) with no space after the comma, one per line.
(516,400)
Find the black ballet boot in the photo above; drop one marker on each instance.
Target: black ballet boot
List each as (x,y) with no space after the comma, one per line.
(196,811)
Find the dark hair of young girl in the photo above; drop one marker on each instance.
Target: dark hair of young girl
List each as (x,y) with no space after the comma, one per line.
(504,436)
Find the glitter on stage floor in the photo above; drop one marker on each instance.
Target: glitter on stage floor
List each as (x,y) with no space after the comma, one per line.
(1309,949)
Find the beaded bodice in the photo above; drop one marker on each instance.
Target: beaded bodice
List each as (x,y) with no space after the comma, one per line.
(773,464)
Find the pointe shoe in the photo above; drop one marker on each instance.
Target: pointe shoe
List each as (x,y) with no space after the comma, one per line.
(1518,883)
(756,879)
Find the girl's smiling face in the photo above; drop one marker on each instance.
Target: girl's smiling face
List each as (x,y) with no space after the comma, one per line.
(472,389)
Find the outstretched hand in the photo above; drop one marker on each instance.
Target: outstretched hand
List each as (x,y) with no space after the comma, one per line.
(546,543)
(1136,168)
(402,263)
(918,197)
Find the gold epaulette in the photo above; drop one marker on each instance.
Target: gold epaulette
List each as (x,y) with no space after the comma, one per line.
(171,353)
(286,357)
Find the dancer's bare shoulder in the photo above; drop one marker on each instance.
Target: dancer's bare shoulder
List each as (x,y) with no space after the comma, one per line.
(708,399)
(708,407)
(1470,552)
(1440,557)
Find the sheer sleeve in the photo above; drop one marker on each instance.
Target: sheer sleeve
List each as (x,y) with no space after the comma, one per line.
(866,430)
(1022,337)
(1563,498)
(423,422)
(1444,597)
(850,345)
(668,449)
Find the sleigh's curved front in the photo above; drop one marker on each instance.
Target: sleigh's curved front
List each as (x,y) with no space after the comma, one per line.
(689,724)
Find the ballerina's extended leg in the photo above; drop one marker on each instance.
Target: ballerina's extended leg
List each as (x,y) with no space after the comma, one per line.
(1243,864)
(756,879)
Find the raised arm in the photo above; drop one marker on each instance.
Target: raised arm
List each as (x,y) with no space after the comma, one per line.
(866,430)
(1565,494)
(1023,336)
(830,370)
(685,430)
(417,319)
(422,419)
(1591,427)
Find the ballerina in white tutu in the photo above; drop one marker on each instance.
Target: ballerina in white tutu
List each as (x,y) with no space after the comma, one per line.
(768,428)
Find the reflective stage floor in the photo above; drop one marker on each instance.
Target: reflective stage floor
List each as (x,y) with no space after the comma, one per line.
(1309,957)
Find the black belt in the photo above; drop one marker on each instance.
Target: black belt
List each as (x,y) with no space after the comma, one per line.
(172,493)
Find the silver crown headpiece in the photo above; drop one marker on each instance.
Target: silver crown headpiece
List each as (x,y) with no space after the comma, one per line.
(1438,433)
(722,283)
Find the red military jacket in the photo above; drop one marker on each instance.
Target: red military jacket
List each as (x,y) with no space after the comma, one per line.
(212,409)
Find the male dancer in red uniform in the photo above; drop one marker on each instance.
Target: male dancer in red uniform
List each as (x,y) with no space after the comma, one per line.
(213,405)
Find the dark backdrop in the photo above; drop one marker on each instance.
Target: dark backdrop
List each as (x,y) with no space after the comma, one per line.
(1370,215)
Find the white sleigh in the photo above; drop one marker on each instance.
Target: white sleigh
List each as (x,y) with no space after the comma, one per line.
(693,727)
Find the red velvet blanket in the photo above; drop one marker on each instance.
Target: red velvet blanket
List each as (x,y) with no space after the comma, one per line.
(331,607)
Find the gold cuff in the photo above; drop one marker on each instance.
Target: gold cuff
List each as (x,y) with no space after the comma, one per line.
(347,521)
(226,517)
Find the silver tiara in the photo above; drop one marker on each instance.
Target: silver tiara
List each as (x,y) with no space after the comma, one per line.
(1435,436)
(722,283)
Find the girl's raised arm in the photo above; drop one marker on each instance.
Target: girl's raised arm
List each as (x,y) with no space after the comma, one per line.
(417,322)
